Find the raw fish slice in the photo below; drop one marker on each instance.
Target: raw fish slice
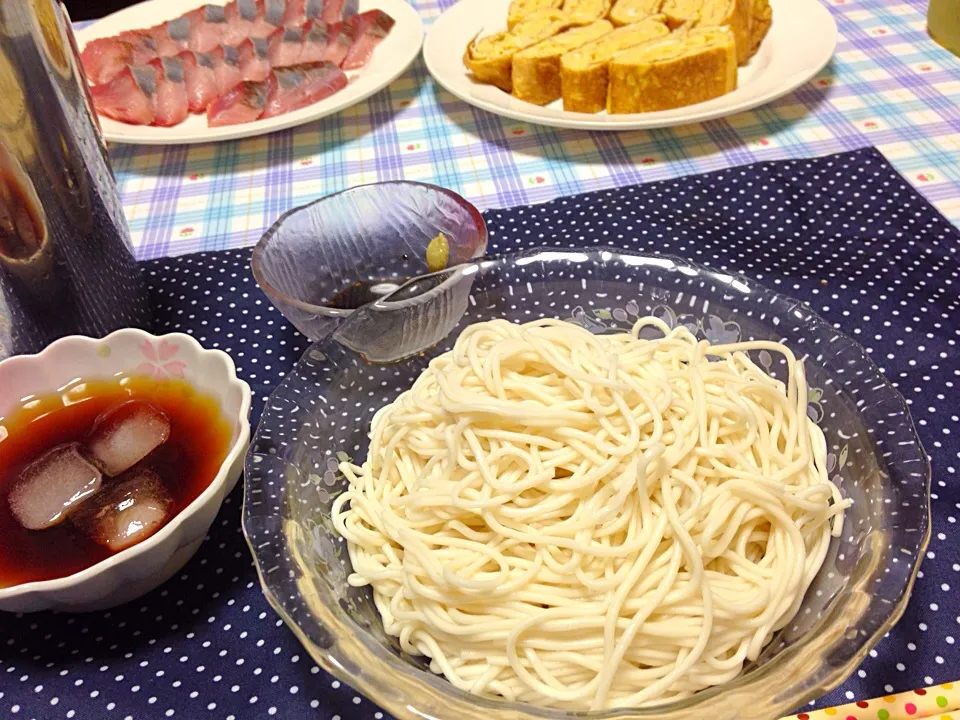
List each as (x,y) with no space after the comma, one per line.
(273,12)
(126,513)
(286,46)
(171,37)
(171,102)
(144,42)
(178,30)
(369,29)
(337,10)
(129,97)
(52,487)
(242,104)
(104,58)
(286,89)
(300,11)
(253,19)
(254,59)
(270,17)
(226,68)
(295,13)
(208,28)
(293,88)
(145,49)
(315,42)
(200,78)
(313,10)
(243,20)
(126,434)
(339,39)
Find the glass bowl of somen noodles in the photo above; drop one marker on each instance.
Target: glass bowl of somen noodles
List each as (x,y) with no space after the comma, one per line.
(587,483)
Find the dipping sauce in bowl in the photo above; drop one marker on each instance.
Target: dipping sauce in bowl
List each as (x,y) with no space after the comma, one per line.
(99,466)
(320,262)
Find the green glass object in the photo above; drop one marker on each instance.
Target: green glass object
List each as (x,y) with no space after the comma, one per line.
(943,23)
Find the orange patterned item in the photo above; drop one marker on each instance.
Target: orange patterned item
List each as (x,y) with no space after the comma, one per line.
(939,702)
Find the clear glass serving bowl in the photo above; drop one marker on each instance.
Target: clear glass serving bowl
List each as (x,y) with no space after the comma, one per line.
(322,412)
(376,233)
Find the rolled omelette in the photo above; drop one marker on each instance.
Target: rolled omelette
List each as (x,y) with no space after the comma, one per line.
(761,17)
(519,9)
(536,70)
(584,72)
(627,12)
(584,12)
(490,59)
(683,69)
(682,12)
(734,14)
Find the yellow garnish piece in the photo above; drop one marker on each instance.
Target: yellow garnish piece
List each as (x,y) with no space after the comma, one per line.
(438,253)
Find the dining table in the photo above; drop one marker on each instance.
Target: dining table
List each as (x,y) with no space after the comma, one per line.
(888,86)
(859,167)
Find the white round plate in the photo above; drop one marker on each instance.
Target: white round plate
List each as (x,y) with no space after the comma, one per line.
(389,60)
(800,43)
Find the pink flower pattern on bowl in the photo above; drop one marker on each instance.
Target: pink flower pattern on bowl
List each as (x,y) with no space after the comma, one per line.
(159,360)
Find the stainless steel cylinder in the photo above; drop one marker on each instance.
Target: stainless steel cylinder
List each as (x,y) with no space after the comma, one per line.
(66,262)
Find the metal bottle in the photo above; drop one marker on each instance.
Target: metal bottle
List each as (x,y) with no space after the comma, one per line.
(66,263)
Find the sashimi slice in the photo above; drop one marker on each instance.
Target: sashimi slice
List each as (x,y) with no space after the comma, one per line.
(337,10)
(144,42)
(200,79)
(242,104)
(104,58)
(296,87)
(254,59)
(208,28)
(171,97)
(171,37)
(286,89)
(178,31)
(369,28)
(226,68)
(252,19)
(315,42)
(285,46)
(314,9)
(273,12)
(128,97)
(339,39)
(301,11)
(295,13)
(242,17)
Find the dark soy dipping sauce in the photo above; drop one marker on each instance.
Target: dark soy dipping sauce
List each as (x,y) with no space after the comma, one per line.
(363,293)
(188,462)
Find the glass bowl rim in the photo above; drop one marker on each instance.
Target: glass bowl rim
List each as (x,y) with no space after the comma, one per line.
(276,295)
(379,674)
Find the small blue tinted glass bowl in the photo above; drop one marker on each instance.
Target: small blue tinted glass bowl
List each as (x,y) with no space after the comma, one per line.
(370,232)
(321,414)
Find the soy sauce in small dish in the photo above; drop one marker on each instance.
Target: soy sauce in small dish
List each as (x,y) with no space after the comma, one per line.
(70,426)
(362,293)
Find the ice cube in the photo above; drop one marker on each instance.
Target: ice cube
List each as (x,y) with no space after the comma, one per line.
(127,512)
(126,434)
(53,486)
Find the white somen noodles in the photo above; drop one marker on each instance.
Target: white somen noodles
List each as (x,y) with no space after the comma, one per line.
(587,522)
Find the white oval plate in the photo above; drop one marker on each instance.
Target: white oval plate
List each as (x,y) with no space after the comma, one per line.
(800,43)
(389,60)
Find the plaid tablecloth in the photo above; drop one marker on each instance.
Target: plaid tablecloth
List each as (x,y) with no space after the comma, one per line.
(889,86)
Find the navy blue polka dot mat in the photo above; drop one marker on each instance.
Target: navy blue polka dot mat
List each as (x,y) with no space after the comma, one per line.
(844,233)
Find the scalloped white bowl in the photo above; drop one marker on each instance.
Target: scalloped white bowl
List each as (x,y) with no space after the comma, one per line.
(139,569)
